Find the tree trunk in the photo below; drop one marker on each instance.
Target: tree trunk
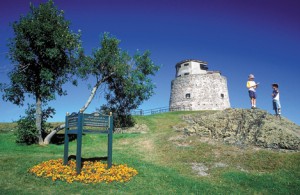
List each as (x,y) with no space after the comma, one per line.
(92,95)
(38,120)
(57,129)
(53,132)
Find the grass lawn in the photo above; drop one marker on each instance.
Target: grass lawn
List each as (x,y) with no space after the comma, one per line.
(166,165)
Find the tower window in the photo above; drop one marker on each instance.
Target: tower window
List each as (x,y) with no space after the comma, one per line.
(188,96)
(186,73)
(203,67)
(222,95)
(186,64)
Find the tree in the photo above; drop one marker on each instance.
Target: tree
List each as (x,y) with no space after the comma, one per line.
(125,80)
(127,90)
(45,53)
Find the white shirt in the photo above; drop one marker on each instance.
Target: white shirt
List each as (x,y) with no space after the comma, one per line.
(276,97)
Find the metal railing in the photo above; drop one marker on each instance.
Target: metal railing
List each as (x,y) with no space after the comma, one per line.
(141,112)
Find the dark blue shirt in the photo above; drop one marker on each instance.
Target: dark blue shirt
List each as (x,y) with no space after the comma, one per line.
(274,93)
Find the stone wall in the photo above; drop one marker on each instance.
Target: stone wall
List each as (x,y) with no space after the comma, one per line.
(200,92)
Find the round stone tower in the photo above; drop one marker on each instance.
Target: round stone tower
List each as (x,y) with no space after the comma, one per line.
(196,88)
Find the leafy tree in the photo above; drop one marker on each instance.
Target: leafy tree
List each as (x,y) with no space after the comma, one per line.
(45,53)
(126,91)
(126,79)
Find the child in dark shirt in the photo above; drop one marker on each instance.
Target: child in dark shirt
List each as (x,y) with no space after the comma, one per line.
(276,101)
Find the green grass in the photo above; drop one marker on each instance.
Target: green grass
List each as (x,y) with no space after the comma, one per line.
(164,165)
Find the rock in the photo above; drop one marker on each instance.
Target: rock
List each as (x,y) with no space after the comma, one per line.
(189,130)
(200,169)
(220,164)
(245,127)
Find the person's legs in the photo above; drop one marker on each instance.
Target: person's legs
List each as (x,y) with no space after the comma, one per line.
(278,106)
(252,96)
(275,107)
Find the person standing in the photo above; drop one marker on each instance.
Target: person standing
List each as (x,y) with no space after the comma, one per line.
(276,101)
(252,85)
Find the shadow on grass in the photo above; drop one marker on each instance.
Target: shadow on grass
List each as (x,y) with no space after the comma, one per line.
(59,139)
(92,159)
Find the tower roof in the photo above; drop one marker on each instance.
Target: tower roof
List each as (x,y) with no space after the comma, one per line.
(191,60)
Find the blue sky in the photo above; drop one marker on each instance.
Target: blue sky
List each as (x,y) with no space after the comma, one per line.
(236,37)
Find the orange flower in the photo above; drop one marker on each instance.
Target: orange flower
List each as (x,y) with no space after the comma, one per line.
(91,172)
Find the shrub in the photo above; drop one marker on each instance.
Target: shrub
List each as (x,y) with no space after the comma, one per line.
(26,129)
(122,116)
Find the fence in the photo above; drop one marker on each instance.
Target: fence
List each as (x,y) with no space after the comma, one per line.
(141,112)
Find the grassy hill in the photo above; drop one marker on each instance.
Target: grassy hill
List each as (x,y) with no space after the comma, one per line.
(168,162)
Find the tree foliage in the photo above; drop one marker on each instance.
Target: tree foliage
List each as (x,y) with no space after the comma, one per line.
(45,54)
(127,80)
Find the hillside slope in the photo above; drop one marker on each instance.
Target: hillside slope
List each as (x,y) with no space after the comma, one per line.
(168,161)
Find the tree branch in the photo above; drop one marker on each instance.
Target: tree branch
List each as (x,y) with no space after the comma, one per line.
(93,92)
(23,67)
(92,95)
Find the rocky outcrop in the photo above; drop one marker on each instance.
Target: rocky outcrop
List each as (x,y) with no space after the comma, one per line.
(244,127)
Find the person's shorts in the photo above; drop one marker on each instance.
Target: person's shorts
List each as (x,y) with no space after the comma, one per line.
(276,104)
(252,94)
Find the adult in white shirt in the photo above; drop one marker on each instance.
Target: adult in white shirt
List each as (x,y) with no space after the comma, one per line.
(252,85)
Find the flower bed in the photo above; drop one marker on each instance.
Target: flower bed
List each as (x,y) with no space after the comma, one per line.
(91,172)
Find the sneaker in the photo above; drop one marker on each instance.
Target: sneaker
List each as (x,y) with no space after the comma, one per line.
(279,112)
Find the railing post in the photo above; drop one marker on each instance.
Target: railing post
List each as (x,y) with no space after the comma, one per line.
(66,142)
(110,141)
(79,142)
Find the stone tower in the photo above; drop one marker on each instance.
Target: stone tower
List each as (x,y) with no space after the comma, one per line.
(196,88)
